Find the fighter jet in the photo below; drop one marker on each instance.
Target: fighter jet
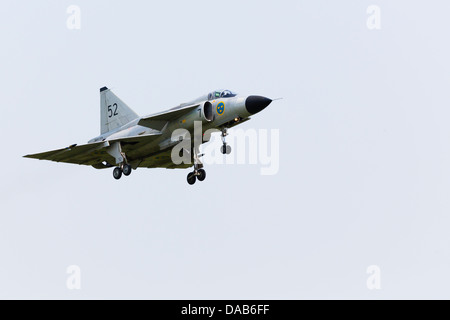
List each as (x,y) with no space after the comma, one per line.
(128,141)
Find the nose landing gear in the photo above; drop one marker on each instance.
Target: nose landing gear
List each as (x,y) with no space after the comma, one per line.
(225,149)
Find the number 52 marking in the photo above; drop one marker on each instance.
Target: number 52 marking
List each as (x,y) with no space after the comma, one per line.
(110,111)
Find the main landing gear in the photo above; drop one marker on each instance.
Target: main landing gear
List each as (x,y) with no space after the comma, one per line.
(125,169)
(225,149)
(115,150)
(199,173)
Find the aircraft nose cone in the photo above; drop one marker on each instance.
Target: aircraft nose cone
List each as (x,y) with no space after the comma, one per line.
(255,104)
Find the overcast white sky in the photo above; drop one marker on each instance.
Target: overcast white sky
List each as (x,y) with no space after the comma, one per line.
(364,173)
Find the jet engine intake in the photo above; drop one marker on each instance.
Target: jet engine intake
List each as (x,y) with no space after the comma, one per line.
(207,111)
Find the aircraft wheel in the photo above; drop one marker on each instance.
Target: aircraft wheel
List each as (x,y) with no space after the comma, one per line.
(225,149)
(117,173)
(191,178)
(127,169)
(201,175)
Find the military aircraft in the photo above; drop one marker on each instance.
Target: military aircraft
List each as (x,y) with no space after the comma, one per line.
(128,141)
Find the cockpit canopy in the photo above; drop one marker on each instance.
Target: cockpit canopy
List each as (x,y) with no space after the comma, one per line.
(221,94)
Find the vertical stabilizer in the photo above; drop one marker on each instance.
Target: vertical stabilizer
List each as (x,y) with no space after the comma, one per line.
(114,113)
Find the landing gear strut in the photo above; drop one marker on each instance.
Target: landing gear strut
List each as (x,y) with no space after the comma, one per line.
(225,149)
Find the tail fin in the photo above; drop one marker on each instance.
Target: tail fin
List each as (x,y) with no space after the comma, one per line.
(114,113)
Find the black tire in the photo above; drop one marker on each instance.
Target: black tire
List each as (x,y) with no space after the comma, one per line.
(191,178)
(223,149)
(228,149)
(201,175)
(117,173)
(127,170)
